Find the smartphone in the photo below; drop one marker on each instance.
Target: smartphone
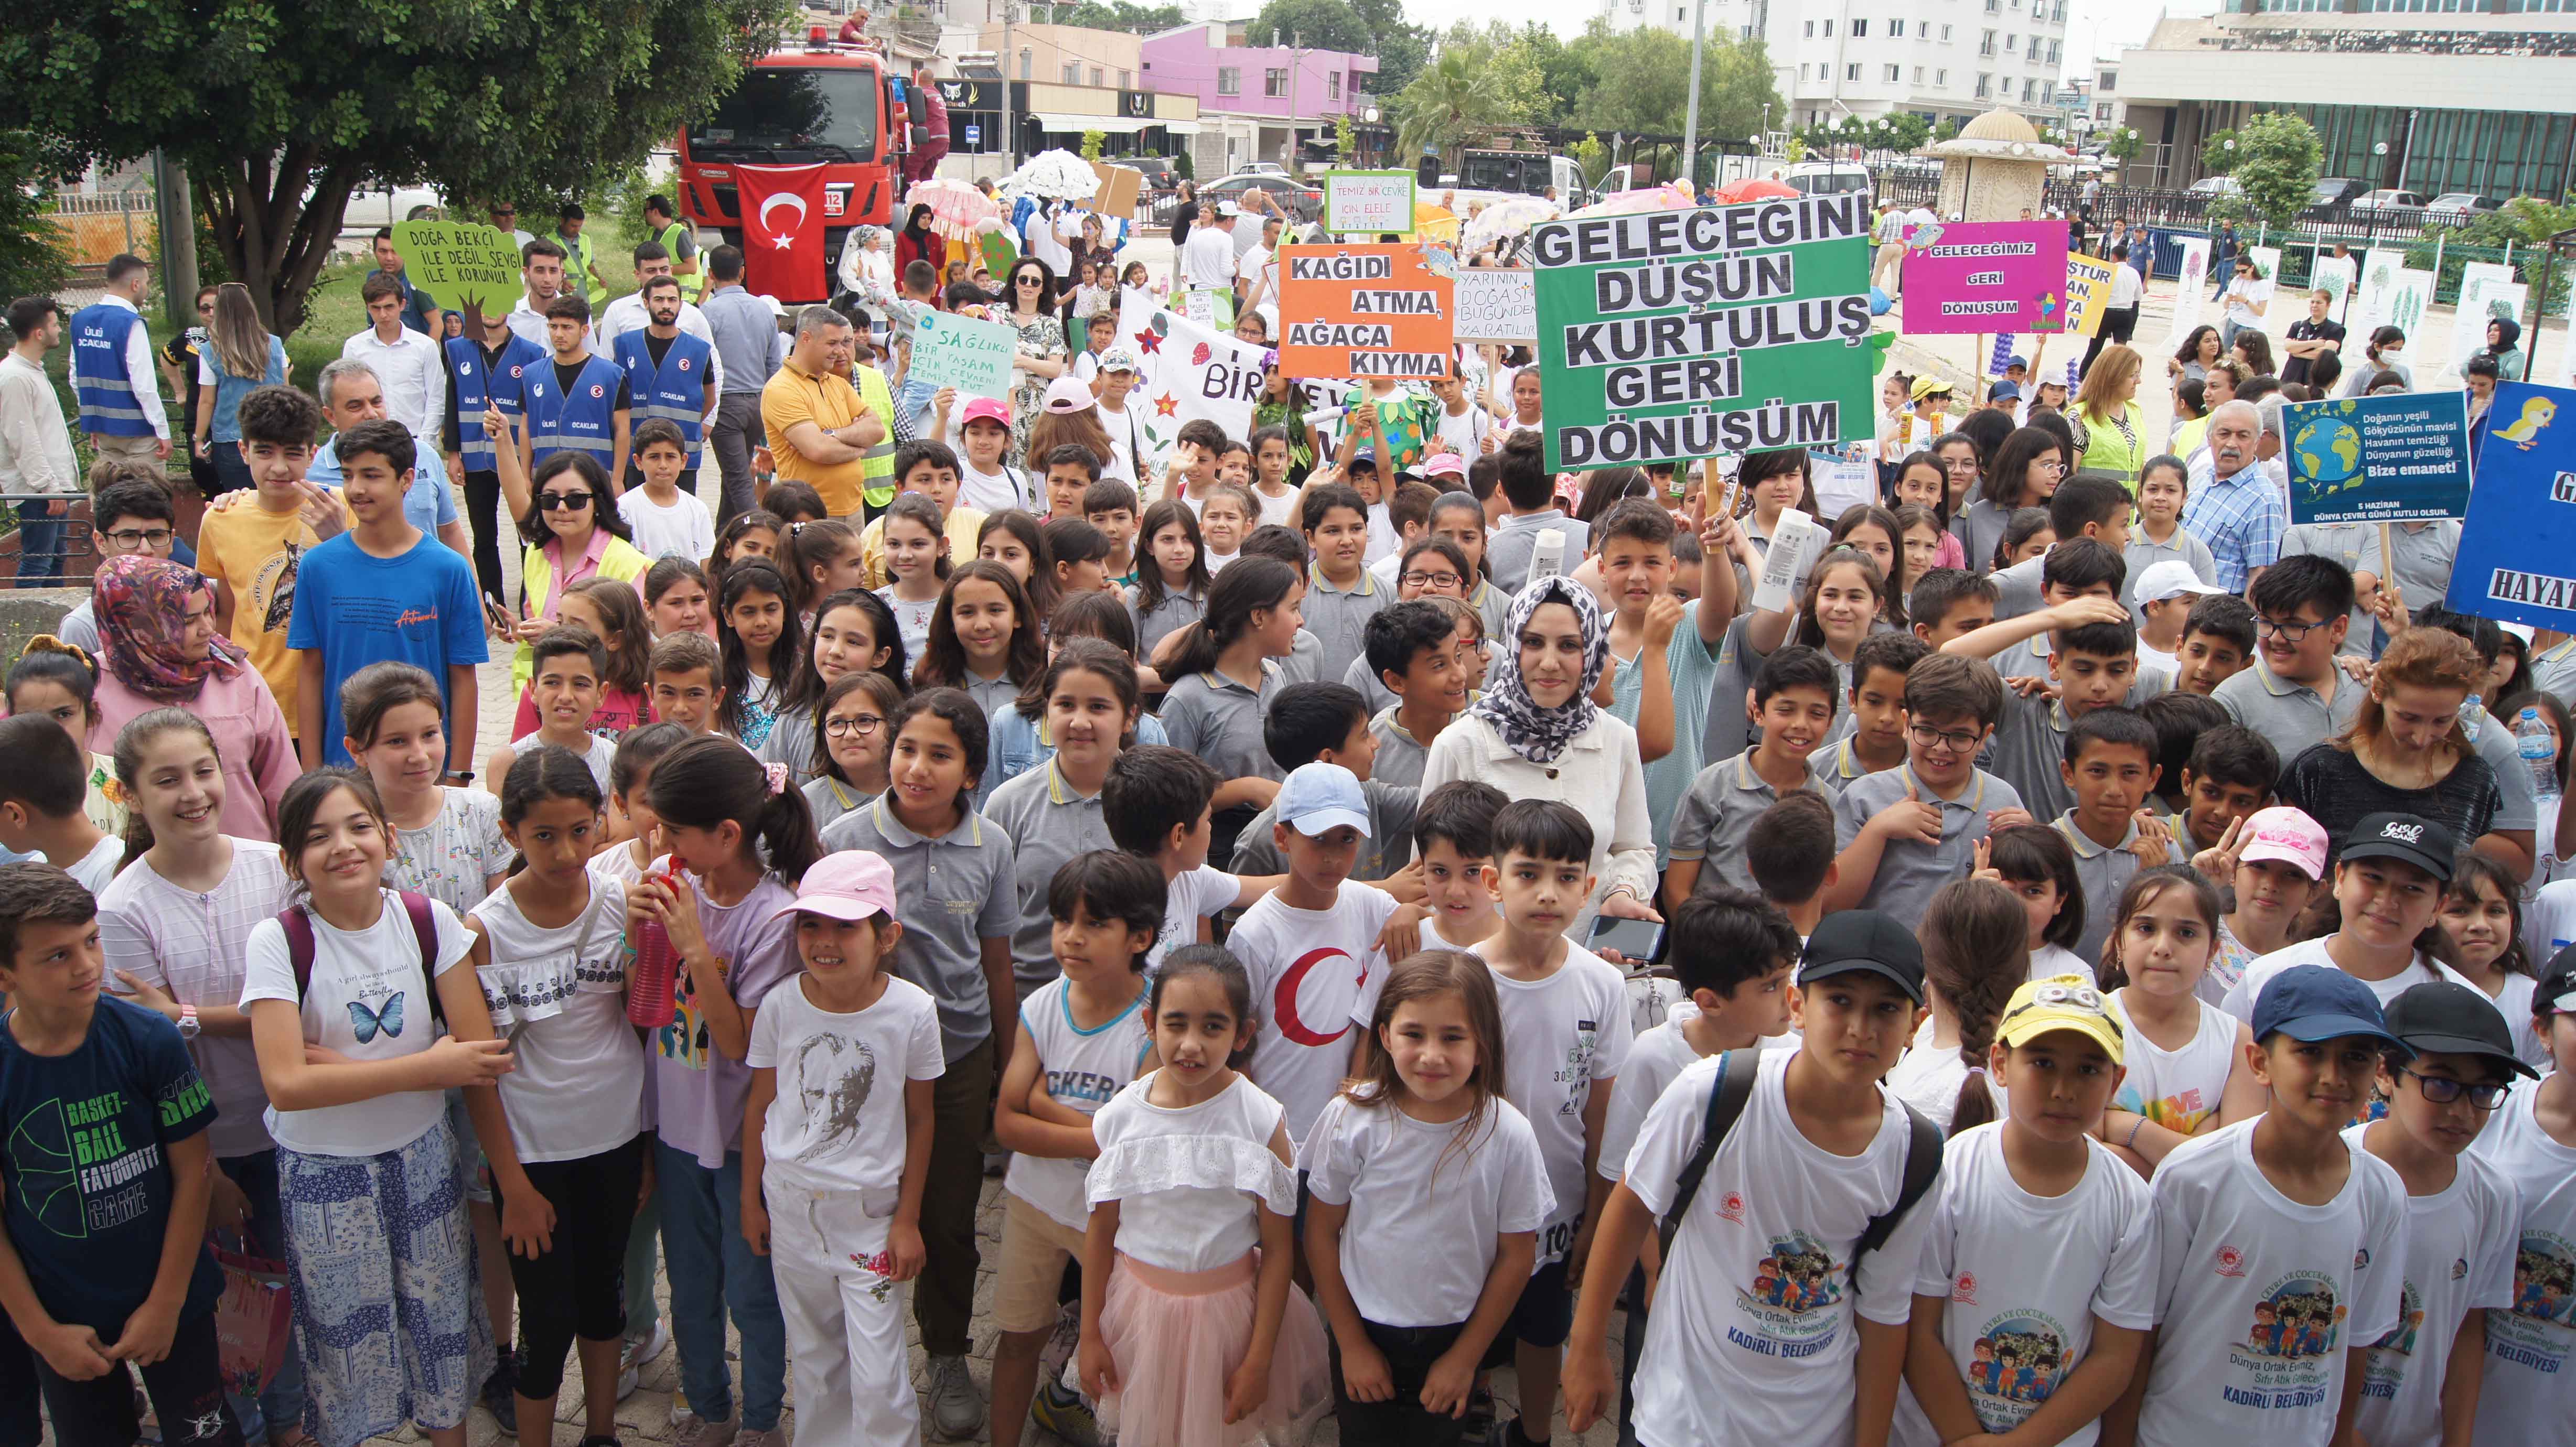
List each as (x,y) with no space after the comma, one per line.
(1640,941)
(500,615)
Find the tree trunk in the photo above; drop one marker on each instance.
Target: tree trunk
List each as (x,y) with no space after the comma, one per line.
(275,244)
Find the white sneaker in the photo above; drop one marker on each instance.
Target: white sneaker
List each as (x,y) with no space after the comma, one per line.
(637,1352)
(697,1431)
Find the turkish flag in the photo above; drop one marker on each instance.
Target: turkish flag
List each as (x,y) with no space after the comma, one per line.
(782,231)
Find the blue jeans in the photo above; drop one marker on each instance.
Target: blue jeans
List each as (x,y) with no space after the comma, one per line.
(283,1401)
(712,1269)
(41,533)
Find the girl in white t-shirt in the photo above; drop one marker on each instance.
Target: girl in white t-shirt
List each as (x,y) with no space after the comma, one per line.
(391,1329)
(2038,1282)
(550,948)
(1973,956)
(2186,1068)
(2482,912)
(1188,1316)
(1428,1192)
(916,558)
(2036,863)
(2532,1143)
(842,1060)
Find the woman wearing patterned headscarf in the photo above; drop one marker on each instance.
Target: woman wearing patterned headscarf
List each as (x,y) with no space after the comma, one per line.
(1537,734)
(159,649)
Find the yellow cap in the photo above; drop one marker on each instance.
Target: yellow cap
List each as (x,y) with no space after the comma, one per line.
(2061,1002)
(1930,387)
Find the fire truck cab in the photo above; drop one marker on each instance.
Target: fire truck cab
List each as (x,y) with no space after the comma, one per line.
(838,103)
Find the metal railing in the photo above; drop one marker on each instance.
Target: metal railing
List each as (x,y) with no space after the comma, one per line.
(66,560)
(2188,210)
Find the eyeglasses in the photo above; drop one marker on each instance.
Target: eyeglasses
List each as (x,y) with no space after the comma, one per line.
(2291,633)
(1930,737)
(2441,1090)
(563,501)
(205,308)
(1430,580)
(852,725)
(140,537)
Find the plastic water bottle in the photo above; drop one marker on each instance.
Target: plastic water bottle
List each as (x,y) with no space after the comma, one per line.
(2473,712)
(1547,555)
(2539,752)
(648,1000)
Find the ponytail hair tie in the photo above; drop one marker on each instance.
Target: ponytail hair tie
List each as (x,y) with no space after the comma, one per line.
(1975,1072)
(48,643)
(777,774)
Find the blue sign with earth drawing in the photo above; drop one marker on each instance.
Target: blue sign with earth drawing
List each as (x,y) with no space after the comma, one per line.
(2393,459)
(2517,558)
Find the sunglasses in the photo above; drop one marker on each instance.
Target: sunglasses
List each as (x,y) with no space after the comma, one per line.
(563,501)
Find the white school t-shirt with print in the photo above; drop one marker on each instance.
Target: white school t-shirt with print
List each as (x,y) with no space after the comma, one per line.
(600,753)
(1190,896)
(1659,1053)
(558,995)
(837,1123)
(450,858)
(2422,970)
(1080,1070)
(2026,1276)
(1315,976)
(1426,1203)
(2178,1089)
(1752,1339)
(2459,1256)
(1563,1037)
(682,530)
(2531,1348)
(2259,1297)
(368,1000)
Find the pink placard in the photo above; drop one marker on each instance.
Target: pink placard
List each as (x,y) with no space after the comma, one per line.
(1985,276)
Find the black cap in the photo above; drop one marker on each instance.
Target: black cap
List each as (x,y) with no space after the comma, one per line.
(2446,1017)
(2410,837)
(2557,982)
(1864,939)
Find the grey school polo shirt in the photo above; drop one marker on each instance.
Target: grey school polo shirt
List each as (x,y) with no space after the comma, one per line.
(1400,756)
(1831,769)
(956,891)
(1219,720)
(1339,618)
(2291,715)
(2030,743)
(2104,870)
(1387,850)
(1910,873)
(1049,824)
(1713,817)
(1363,680)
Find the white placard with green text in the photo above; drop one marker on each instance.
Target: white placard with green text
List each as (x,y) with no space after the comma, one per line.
(1368,201)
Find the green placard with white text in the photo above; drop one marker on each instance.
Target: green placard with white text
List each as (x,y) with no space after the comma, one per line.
(1669,336)
(1373,202)
(461,264)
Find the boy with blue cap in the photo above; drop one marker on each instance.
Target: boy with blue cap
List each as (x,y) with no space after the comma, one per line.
(2281,1246)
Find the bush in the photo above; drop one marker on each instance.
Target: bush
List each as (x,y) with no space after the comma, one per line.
(32,259)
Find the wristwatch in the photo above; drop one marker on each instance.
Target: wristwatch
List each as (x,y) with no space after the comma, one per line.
(188,1022)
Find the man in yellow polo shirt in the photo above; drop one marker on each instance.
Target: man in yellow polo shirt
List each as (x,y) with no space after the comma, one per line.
(820,432)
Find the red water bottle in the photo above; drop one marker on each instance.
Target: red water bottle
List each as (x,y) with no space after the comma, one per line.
(648,999)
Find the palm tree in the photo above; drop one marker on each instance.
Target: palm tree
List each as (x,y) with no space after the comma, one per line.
(1448,104)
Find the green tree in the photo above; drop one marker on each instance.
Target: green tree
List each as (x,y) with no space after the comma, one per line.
(1121,15)
(2218,153)
(2121,145)
(1642,83)
(1093,143)
(279,111)
(1899,131)
(32,258)
(1314,24)
(2277,158)
(1516,68)
(1402,49)
(1448,107)
(1592,156)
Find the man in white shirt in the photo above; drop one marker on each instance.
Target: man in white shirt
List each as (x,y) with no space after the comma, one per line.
(1207,258)
(1046,242)
(408,365)
(35,443)
(1257,208)
(628,314)
(541,267)
(1257,274)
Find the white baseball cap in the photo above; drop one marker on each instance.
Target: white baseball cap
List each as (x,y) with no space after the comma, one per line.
(2172,578)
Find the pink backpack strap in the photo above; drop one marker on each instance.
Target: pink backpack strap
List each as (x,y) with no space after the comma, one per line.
(424,928)
(299,946)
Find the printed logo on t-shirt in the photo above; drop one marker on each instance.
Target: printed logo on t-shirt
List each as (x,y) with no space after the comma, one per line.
(2385,1370)
(1785,1315)
(1576,1073)
(2284,1360)
(833,1077)
(685,1040)
(1963,1292)
(1318,990)
(2020,1358)
(2535,1333)
(77,1173)
(2231,1261)
(2181,1112)
(1730,1207)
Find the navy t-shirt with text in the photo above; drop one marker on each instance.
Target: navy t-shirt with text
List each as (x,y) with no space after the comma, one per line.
(87,1168)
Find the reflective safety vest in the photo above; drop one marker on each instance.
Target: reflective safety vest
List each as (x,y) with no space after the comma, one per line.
(876,465)
(586,421)
(691,287)
(675,391)
(474,391)
(106,393)
(578,261)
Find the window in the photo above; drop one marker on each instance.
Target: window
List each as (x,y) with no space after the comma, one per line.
(1985,84)
(1851,72)
(1097,75)
(2108,82)
(2029,91)
(1811,30)
(1918,75)
(1945,34)
(2011,42)
(2102,112)
(1985,47)
(1126,80)
(1894,74)
(1333,85)
(1860,29)
(1680,14)
(1229,79)
(1829,30)
(1896,28)
(1941,77)
(1072,73)
(1274,81)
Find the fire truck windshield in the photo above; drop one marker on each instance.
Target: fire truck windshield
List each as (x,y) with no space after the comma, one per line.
(792,113)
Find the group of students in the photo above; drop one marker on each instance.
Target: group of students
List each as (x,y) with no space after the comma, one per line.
(2083,982)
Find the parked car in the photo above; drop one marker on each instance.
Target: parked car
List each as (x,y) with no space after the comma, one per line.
(1262,168)
(2457,208)
(371,209)
(2333,191)
(1159,172)
(1828,178)
(2387,204)
(1300,201)
(2217,186)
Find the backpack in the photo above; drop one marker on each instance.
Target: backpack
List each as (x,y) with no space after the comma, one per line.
(424,927)
(1736,1070)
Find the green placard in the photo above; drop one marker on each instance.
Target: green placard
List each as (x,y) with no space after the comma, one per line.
(461,264)
(1371,202)
(1669,336)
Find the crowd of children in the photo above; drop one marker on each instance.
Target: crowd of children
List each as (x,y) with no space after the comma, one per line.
(1380,914)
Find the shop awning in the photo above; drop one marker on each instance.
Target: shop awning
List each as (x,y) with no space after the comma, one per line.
(1106,125)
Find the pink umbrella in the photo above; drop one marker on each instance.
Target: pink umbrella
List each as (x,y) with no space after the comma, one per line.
(1753,188)
(955,207)
(1650,198)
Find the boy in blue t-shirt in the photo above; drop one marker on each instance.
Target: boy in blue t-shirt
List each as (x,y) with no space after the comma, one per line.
(102,1244)
(383,591)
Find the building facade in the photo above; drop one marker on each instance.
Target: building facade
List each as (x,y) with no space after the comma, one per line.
(1938,59)
(1255,102)
(2430,96)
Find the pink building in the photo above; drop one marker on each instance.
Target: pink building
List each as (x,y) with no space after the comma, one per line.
(1256,103)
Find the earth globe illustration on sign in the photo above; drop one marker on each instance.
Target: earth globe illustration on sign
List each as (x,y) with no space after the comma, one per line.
(2329,453)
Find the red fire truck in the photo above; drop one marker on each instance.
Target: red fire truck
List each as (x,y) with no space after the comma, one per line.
(822,100)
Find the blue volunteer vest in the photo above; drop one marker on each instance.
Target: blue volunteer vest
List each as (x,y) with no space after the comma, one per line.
(676,391)
(583,422)
(106,393)
(474,391)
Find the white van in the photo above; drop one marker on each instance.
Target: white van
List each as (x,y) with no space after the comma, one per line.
(1828,178)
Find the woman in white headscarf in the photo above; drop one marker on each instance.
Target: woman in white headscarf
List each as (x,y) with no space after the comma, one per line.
(1537,734)
(867,266)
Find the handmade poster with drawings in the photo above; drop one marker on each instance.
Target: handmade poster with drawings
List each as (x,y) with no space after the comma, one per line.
(2517,558)
(2401,457)
(973,357)
(2482,299)
(1982,276)
(1497,304)
(2191,289)
(2088,294)
(1381,310)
